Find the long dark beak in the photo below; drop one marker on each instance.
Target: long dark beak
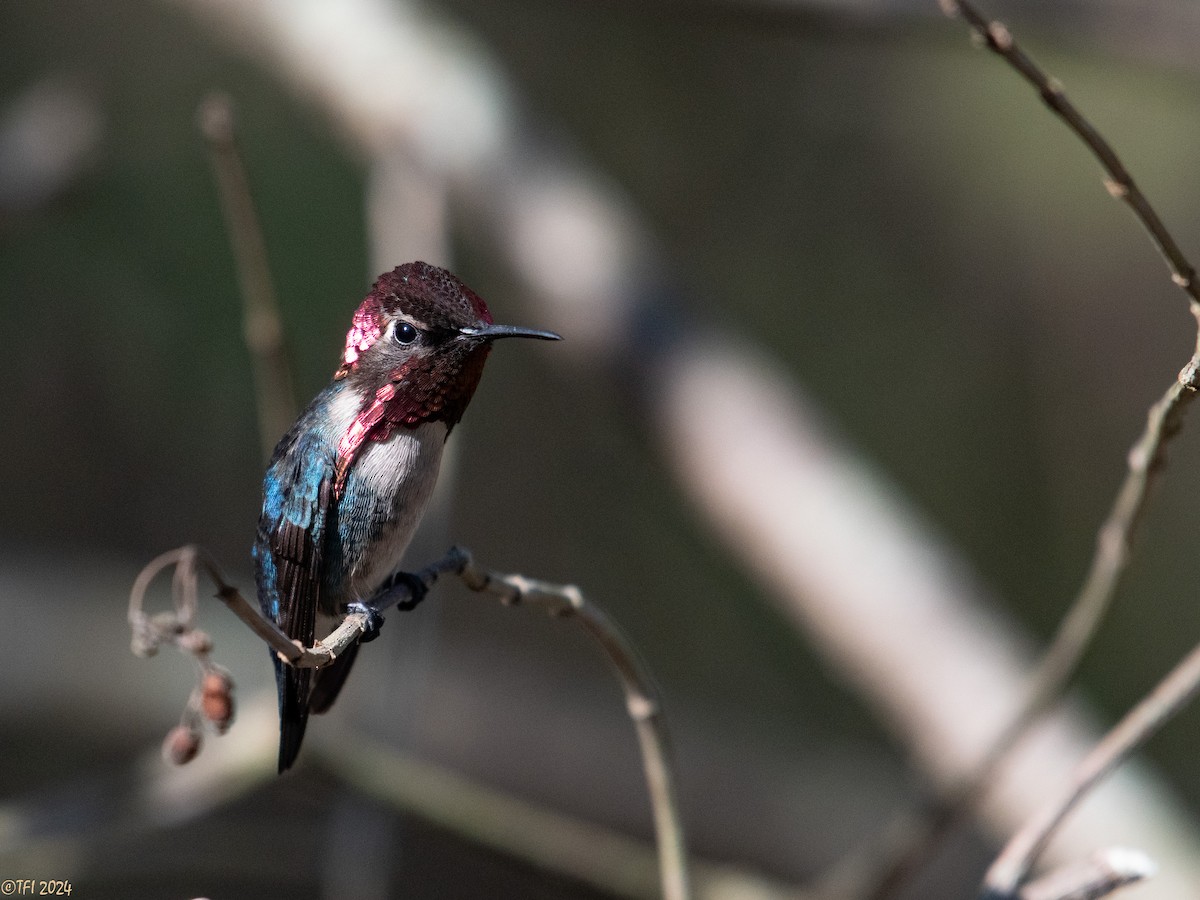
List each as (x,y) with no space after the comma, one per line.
(494,332)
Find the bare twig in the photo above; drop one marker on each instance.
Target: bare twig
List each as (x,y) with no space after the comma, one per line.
(1165,417)
(1115,537)
(1078,626)
(261,324)
(212,699)
(641,700)
(150,632)
(641,697)
(1113,544)
(1119,182)
(1138,725)
(1107,871)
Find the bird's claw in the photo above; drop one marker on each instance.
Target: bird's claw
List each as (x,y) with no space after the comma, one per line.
(417,589)
(374,620)
(371,609)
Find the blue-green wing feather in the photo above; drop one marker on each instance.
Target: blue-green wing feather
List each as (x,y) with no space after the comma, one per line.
(290,553)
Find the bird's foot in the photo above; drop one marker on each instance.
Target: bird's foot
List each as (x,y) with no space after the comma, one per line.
(374,620)
(417,589)
(373,608)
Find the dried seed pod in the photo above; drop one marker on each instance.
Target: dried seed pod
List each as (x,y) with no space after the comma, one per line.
(216,699)
(181,745)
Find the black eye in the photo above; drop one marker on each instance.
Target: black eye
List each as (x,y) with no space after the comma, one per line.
(405,333)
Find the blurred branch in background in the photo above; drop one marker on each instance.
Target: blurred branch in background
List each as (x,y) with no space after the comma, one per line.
(593,855)
(160,796)
(262,325)
(50,137)
(911,630)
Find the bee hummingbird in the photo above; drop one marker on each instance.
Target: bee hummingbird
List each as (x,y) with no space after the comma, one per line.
(347,485)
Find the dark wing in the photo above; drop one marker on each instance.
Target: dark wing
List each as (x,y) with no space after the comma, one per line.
(290,553)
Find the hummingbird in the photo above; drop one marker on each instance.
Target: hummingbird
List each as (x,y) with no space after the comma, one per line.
(348,483)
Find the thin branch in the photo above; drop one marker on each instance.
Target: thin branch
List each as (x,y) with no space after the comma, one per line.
(1113,546)
(1057,665)
(1138,726)
(1146,459)
(151,632)
(641,700)
(261,323)
(1119,182)
(1107,871)
(1114,539)
(211,701)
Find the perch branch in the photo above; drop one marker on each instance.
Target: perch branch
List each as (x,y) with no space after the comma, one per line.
(150,632)
(641,697)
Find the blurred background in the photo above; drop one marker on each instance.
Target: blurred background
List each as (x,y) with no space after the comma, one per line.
(849,190)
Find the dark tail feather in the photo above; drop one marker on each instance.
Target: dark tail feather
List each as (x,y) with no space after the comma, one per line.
(294,688)
(330,679)
(300,694)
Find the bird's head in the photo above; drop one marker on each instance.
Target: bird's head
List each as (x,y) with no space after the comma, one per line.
(415,352)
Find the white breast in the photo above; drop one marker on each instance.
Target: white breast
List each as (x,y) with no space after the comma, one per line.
(401,472)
